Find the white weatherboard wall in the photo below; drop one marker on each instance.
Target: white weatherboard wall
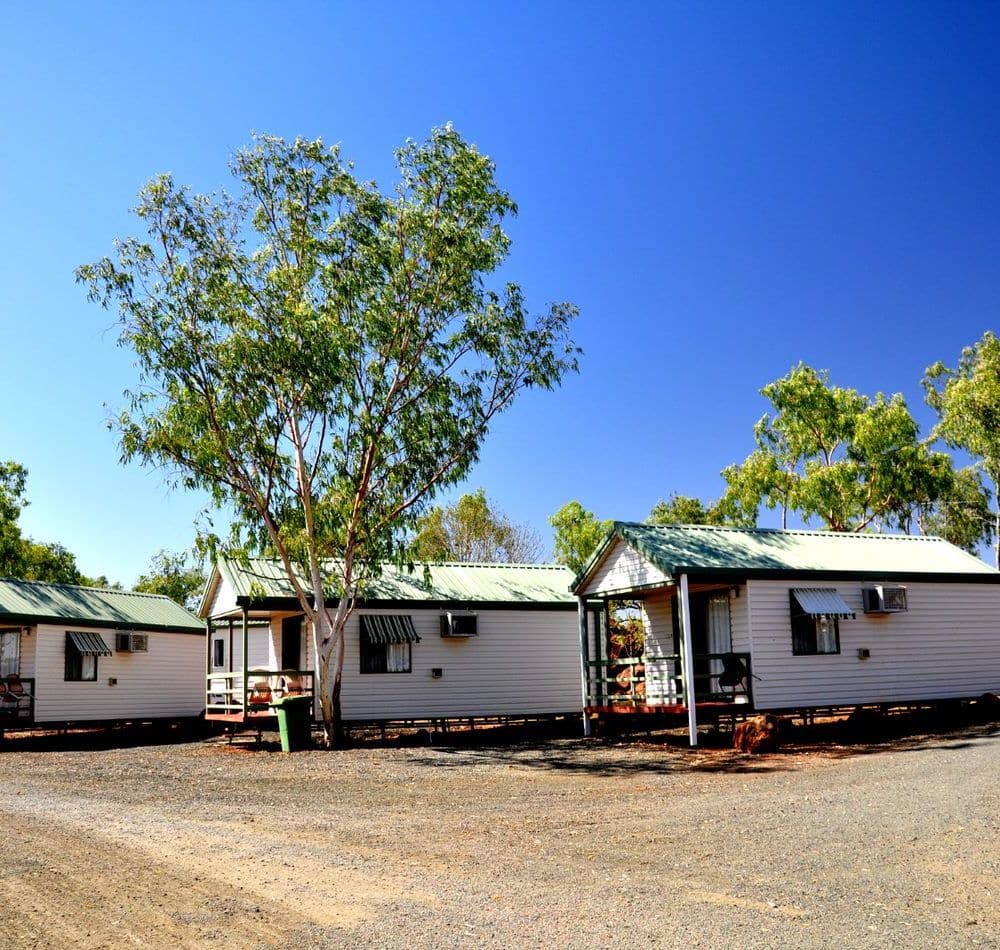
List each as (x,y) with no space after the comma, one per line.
(622,569)
(166,682)
(946,645)
(659,632)
(522,662)
(261,647)
(658,622)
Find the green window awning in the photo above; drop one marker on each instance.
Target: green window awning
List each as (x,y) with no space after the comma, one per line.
(88,644)
(389,628)
(822,602)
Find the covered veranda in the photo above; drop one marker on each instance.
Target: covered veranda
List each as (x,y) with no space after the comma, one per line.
(238,691)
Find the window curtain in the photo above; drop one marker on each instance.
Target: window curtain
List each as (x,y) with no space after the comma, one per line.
(720,636)
(10,652)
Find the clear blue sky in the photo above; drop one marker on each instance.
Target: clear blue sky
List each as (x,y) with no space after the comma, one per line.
(723,189)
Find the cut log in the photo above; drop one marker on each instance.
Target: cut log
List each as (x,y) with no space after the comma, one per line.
(758,735)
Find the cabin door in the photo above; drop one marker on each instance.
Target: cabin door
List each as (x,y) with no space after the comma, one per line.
(711,633)
(291,643)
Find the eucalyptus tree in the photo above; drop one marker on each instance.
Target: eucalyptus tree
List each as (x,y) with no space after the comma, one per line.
(831,453)
(686,509)
(578,532)
(321,356)
(12,501)
(967,401)
(175,576)
(472,530)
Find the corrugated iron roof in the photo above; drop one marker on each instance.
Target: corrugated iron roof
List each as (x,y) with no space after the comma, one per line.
(677,549)
(452,582)
(35,601)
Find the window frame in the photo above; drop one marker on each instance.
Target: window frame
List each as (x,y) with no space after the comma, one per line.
(806,634)
(373,657)
(218,653)
(76,663)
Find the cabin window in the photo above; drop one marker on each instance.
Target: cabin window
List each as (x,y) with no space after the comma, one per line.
(815,635)
(80,666)
(10,652)
(218,652)
(82,651)
(816,614)
(387,644)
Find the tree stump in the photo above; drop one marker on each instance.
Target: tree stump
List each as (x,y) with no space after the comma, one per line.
(758,735)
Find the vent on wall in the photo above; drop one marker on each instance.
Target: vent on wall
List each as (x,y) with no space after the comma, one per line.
(884,600)
(132,642)
(454,624)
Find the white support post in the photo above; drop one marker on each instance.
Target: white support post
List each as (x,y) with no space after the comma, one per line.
(687,658)
(246,652)
(581,613)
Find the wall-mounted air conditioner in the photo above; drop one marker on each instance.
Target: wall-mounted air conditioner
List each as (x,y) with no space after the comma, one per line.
(884,600)
(132,642)
(459,624)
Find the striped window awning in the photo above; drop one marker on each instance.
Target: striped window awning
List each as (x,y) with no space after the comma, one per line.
(88,644)
(822,602)
(389,628)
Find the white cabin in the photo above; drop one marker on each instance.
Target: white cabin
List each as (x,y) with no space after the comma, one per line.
(81,655)
(784,620)
(459,641)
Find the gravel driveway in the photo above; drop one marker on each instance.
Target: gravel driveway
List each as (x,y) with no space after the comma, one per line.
(559,842)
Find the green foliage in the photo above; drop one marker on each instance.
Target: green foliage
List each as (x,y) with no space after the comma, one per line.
(25,558)
(967,401)
(12,502)
(683,509)
(52,563)
(830,453)
(962,515)
(578,532)
(174,576)
(471,531)
(321,357)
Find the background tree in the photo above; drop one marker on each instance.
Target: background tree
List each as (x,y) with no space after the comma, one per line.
(967,401)
(962,514)
(684,509)
(176,576)
(321,357)
(12,501)
(578,532)
(832,453)
(25,558)
(471,530)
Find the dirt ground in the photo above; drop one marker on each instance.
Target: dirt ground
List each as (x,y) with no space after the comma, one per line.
(544,841)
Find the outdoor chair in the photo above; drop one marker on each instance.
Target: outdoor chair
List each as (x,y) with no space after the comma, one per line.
(259,697)
(14,687)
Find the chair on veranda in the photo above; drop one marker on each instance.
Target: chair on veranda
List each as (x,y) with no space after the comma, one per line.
(259,697)
(13,692)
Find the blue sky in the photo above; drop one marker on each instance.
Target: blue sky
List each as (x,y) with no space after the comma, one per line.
(724,189)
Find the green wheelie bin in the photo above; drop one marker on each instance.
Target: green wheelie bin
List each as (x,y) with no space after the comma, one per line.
(294,722)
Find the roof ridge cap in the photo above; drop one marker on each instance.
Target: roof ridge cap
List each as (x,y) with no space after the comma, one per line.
(812,532)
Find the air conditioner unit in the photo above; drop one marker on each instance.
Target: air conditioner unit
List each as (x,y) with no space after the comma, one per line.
(459,624)
(884,600)
(132,642)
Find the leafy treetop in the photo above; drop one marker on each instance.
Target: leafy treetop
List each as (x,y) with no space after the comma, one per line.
(322,357)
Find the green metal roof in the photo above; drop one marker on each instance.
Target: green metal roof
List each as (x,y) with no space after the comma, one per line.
(33,601)
(451,582)
(679,549)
